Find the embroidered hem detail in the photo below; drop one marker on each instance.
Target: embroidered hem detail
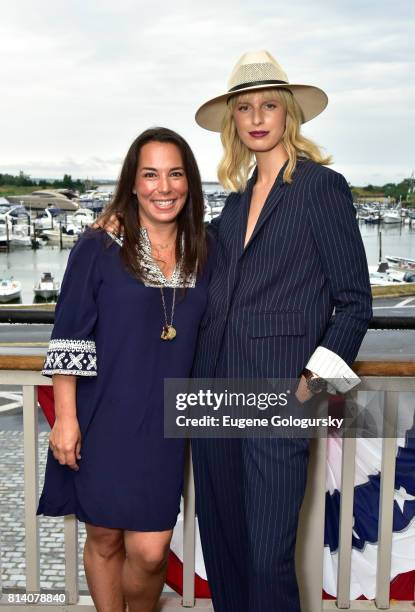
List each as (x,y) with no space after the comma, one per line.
(73,357)
(68,372)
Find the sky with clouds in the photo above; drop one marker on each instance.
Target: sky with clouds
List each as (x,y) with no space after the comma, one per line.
(81,78)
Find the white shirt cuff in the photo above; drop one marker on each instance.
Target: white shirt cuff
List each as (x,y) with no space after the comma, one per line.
(332,368)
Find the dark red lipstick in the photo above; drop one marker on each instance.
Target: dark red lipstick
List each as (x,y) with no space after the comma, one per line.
(258,134)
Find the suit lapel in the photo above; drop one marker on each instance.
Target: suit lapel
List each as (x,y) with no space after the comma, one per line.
(243,212)
(270,204)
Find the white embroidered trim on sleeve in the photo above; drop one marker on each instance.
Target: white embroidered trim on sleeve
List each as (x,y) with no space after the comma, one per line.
(72,357)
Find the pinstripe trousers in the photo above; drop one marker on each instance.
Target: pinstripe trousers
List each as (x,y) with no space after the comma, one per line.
(248,496)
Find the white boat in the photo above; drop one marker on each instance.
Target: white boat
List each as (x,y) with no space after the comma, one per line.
(54,238)
(105,196)
(207,215)
(47,288)
(10,289)
(94,195)
(385,278)
(88,195)
(16,214)
(72,224)
(44,220)
(372,218)
(219,195)
(14,235)
(5,232)
(378,277)
(383,275)
(404,263)
(42,198)
(392,216)
(215,209)
(82,218)
(20,238)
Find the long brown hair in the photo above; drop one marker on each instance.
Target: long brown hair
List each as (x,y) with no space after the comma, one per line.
(191,239)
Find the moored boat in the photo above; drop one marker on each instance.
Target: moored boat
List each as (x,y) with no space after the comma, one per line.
(20,238)
(392,216)
(382,274)
(54,238)
(47,288)
(10,290)
(403,263)
(83,217)
(372,218)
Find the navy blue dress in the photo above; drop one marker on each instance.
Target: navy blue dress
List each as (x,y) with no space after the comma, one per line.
(107,333)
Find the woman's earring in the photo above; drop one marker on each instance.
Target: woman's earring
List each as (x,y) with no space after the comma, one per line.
(134,192)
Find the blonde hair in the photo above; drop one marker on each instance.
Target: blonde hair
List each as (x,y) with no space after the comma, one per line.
(238,160)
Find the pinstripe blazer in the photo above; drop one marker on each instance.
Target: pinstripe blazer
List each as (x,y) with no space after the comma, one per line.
(301,281)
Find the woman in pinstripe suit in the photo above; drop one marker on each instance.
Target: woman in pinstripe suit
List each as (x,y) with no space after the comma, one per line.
(289,253)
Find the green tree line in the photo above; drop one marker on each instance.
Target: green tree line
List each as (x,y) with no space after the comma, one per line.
(402,190)
(24,180)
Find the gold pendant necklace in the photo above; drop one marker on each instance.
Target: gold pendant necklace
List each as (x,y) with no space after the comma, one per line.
(168,332)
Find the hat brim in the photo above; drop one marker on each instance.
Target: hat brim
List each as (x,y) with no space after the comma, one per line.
(311,100)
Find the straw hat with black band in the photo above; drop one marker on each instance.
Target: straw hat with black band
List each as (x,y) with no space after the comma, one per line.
(259,70)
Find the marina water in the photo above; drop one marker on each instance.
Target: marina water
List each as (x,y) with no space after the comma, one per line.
(27,266)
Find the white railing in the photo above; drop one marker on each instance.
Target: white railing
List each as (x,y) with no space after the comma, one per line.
(309,553)
(29,380)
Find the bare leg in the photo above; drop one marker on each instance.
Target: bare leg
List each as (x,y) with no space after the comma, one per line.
(144,570)
(104,556)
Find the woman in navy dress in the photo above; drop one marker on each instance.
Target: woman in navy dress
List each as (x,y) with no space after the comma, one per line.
(123,324)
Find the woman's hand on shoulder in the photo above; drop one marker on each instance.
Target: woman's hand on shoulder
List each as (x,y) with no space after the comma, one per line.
(112,225)
(65,442)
